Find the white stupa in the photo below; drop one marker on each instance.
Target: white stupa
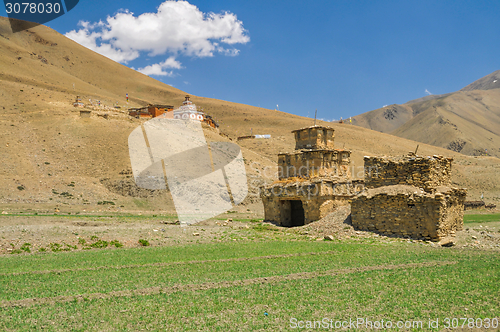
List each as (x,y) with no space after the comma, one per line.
(188,111)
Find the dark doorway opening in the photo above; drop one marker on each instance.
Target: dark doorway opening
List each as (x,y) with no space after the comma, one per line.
(297,213)
(292,213)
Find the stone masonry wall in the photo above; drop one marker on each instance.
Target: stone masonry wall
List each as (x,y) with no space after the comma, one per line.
(307,190)
(318,198)
(314,163)
(314,138)
(452,210)
(417,215)
(421,172)
(314,209)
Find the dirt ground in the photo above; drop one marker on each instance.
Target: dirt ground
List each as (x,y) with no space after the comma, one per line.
(77,233)
(42,231)
(338,225)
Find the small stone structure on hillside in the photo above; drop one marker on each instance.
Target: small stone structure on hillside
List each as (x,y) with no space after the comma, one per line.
(410,197)
(313,179)
(85,113)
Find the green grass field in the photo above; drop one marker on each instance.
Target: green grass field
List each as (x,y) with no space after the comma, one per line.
(480,218)
(246,286)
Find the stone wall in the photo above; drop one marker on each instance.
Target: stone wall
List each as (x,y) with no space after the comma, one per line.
(312,189)
(469,205)
(318,198)
(314,138)
(409,212)
(314,163)
(278,210)
(422,172)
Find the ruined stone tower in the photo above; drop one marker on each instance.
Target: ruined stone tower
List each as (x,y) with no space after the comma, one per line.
(312,180)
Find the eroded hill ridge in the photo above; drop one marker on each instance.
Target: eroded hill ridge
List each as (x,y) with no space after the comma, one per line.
(466,121)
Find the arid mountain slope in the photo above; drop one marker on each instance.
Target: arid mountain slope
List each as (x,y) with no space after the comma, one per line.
(53,158)
(489,82)
(467,121)
(385,119)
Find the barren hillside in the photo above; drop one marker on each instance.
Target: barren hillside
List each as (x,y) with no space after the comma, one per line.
(467,121)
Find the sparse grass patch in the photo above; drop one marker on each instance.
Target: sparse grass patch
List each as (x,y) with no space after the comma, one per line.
(100,244)
(70,246)
(95,243)
(55,247)
(141,203)
(26,247)
(266,227)
(66,194)
(105,203)
(481,218)
(116,243)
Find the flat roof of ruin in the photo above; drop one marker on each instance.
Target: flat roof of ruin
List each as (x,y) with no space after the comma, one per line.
(313,127)
(408,157)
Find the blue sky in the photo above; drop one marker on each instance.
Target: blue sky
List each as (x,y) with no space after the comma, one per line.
(340,57)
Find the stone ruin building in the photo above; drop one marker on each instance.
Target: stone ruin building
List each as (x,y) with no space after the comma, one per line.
(410,197)
(312,180)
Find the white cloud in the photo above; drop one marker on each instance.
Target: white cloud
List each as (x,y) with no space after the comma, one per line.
(428,92)
(228,52)
(157,68)
(89,39)
(177,28)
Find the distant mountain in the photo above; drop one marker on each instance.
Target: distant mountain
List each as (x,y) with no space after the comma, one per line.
(466,121)
(425,98)
(489,82)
